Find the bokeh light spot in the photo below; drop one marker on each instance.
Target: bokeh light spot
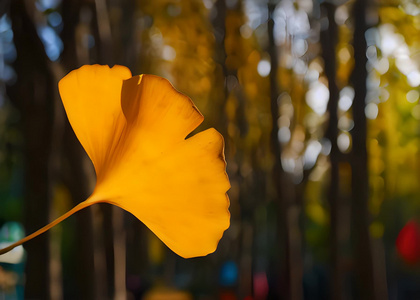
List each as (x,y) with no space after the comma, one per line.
(412,96)
(371,111)
(264,68)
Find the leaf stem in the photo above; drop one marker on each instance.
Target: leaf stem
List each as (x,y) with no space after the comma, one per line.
(47,227)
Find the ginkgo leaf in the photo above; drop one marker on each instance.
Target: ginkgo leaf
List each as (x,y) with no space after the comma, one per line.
(134,130)
(92,101)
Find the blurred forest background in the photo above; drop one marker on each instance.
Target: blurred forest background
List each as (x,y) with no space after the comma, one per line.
(318,102)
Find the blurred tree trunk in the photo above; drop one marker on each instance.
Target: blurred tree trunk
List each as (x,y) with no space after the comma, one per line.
(219,118)
(328,43)
(115,234)
(226,75)
(125,33)
(80,181)
(365,285)
(34,96)
(291,264)
(219,26)
(133,234)
(227,81)
(83,248)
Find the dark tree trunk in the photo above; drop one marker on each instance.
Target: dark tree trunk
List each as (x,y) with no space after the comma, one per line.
(114,229)
(220,121)
(290,268)
(124,30)
(328,43)
(364,275)
(130,235)
(83,247)
(79,180)
(219,26)
(34,96)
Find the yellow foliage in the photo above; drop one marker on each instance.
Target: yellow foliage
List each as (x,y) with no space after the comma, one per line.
(156,251)
(377,230)
(62,201)
(162,293)
(317,213)
(184,27)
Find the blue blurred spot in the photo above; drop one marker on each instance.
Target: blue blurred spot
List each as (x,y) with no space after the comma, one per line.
(52,43)
(6,36)
(11,232)
(9,52)
(43,5)
(5,23)
(55,19)
(228,273)
(8,75)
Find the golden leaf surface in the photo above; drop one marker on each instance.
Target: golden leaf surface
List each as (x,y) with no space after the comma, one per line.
(134,130)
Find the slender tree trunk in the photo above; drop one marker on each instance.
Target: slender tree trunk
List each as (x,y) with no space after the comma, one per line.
(328,42)
(364,275)
(219,26)
(134,234)
(288,214)
(78,182)
(278,172)
(115,237)
(125,32)
(219,118)
(34,96)
(228,86)
(79,187)
(88,272)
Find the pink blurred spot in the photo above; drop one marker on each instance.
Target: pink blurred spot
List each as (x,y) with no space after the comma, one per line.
(260,285)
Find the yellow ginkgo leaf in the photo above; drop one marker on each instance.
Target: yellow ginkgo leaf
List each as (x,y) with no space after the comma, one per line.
(134,130)
(92,98)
